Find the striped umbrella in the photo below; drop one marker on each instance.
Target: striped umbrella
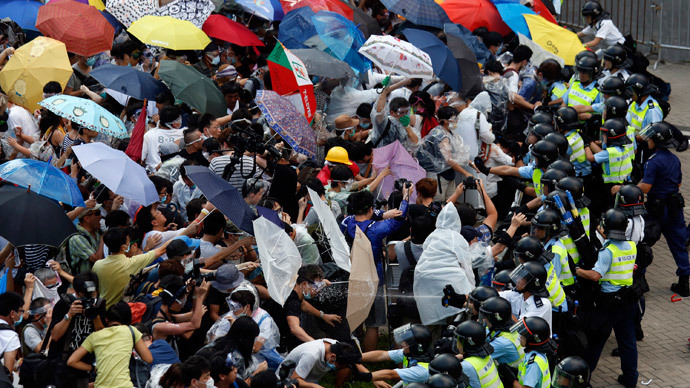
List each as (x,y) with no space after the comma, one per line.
(420,12)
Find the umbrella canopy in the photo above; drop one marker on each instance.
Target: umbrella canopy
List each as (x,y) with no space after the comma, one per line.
(218,26)
(342,39)
(396,56)
(554,38)
(43,179)
(539,55)
(319,63)
(113,21)
(222,195)
(444,63)
(421,12)
(192,87)
(117,171)
(318,5)
(194,11)
(511,13)
(136,141)
(367,24)
(469,69)
(31,67)
(94,3)
(168,32)
(270,10)
(289,77)
(280,259)
(296,28)
(128,80)
(474,14)
(401,164)
(290,124)
(339,249)
(543,10)
(22,12)
(129,11)
(35,219)
(363,281)
(481,52)
(86,113)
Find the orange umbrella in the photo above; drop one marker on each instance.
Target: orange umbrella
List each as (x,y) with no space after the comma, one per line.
(82,29)
(473,14)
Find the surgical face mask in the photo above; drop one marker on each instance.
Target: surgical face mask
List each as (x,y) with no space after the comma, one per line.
(330,366)
(91,61)
(21,318)
(365,125)
(305,292)
(164,198)
(205,154)
(188,267)
(214,60)
(233,60)
(210,383)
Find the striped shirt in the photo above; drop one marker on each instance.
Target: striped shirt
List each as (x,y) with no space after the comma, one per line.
(246,165)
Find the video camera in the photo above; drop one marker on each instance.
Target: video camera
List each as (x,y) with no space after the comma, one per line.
(402,182)
(196,269)
(91,305)
(246,138)
(287,368)
(470,183)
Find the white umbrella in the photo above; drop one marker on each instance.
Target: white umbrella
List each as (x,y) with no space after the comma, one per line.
(363,282)
(117,171)
(280,259)
(397,56)
(129,11)
(539,55)
(339,249)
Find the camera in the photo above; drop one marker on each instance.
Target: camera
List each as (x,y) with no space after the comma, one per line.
(470,183)
(402,182)
(196,269)
(286,370)
(91,305)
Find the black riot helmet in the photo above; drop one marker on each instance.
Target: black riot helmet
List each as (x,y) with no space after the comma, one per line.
(615,132)
(417,385)
(529,248)
(614,223)
(502,281)
(537,332)
(585,53)
(638,84)
(563,165)
(616,55)
(551,177)
(497,312)
(471,335)
(592,9)
(571,372)
(560,141)
(576,189)
(612,86)
(541,130)
(544,153)
(630,199)
(566,119)
(550,200)
(479,295)
(616,107)
(446,364)
(549,220)
(443,381)
(661,133)
(530,277)
(588,65)
(417,338)
(541,118)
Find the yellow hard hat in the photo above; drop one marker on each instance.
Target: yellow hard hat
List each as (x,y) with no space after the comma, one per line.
(338,155)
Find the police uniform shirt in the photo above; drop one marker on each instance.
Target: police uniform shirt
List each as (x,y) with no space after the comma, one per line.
(532,377)
(504,350)
(557,268)
(603,264)
(592,85)
(662,171)
(527,171)
(471,373)
(608,32)
(529,308)
(653,115)
(515,299)
(414,373)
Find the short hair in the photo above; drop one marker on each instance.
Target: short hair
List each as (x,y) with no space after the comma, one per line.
(361,202)
(114,238)
(80,279)
(35,305)
(214,223)
(117,218)
(421,228)
(364,110)
(398,103)
(159,183)
(230,88)
(446,113)
(550,70)
(173,285)
(187,162)
(165,98)
(193,368)
(426,187)
(189,135)
(521,53)
(205,120)
(173,376)
(358,150)
(52,87)
(252,186)
(119,312)
(341,172)
(309,273)
(170,267)
(494,67)
(219,366)
(346,354)
(492,38)
(10,301)
(45,274)
(265,379)
(467,213)
(194,208)
(244,298)
(317,186)
(169,113)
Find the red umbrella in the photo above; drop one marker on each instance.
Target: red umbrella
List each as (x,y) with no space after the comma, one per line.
(473,14)
(83,29)
(319,5)
(543,11)
(220,27)
(136,142)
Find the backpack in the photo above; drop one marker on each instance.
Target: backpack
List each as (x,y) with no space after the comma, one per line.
(145,308)
(136,280)
(65,257)
(36,369)
(139,371)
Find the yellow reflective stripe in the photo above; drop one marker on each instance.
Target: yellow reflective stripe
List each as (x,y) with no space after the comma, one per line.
(577,145)
(637,116)
(486,371)
(585,217)
(543,365)
(536,180)
(514,337)
(559,90)
(553,286)
(619,166)
(566,277)
(622,265)
(577,95)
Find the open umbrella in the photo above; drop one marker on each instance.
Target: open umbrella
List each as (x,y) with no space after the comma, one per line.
(170,33)
(444,63)
(296,28)
(31,67)
(194,11)
(113,21)
(86,113)
(266,9)
(474,14)
(223,196)
(319,63)
(481,52)
(280,259)
(287,122)
(342,39)
(98,4)
(289,76)
(43,179)
(129,11)
(397,56)
(539,55)
(511,13)
(367,24)
(117,171)
(469,68)
(219,26)
(543,10)
(22,12)
(193,88)
(421,12)
(339,249)
(129,81)
(35,219)
(554,38)
(318,5)
(363,282)
(402,165)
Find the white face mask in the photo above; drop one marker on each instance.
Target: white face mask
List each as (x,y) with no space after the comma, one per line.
(210,383)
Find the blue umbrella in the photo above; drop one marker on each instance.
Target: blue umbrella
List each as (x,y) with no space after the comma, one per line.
(267,9)
(422,12)
(129,81)
(511,13)
(442,60)
(113,22)
(22,12)
(86,113)
(223,196)
(43,179)
(343,39)
(478,48)
(296,28)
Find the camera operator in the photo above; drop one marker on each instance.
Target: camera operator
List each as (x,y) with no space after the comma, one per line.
(75,316)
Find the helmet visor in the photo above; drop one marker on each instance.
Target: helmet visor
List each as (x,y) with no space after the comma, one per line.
(521,328)
(484,318)
(403,336)
(563,379)
(647,132)
(521,277)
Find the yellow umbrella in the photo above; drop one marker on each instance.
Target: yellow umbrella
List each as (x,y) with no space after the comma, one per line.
(168,32)
(98,4)
(31,67)
(553,38)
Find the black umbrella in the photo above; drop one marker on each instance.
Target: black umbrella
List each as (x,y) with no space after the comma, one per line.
(223,196)
(32,219)
(367,24)
(324,65)
(469,69)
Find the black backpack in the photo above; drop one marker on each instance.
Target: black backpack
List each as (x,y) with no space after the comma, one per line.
(36,369)
(406,284)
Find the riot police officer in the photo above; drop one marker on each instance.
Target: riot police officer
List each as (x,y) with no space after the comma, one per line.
(614,63)
(584,92)
(477,364)
(501,281)
(496,314)
(571,372)
(568,124)
(546,227)
(644,109)
(477,296)
(561,143)
(448,365)
(615,157)
(530,281)
(414,354)
(551,178)
(445,381)
(539,347)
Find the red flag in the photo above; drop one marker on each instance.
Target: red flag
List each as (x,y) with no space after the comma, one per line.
(136,142)
(543,11)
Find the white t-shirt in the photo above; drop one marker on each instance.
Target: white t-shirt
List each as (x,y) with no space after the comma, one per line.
(309,358)
(20,117)
(208,249)
(9,340)
(529,309)
(154,140)
(607,31)
(165,236)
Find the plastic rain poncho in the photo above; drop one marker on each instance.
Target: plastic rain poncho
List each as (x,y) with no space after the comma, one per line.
(439,147)
(445,260)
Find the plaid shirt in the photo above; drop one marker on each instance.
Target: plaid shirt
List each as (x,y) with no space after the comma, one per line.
(81,247)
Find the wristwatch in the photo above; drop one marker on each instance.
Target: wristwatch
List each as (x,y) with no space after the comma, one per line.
(66,317)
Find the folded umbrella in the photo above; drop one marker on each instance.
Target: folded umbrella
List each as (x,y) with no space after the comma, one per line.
(43,179)
(194,11)
(129,11)
(220,27)
(397,56)
(511,13)
(35,219)
(474,14)
(321,64)
(444,63)
(86,113)
(554,38)
(287,122)
(193,88)
(420,12)
(342,39)
(129,81)
(401,164)
(270,10)
(168,32)
(22,12)
(289,77)
(223,196)
(339,250)
(136,140)
(363,282)
(296,28)
(469,68)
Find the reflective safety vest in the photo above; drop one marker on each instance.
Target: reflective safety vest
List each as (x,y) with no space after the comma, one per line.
(486,371)
(566,277)
(536,180)
(585,217)
(577,95)
(619,166)
(621,270)
(570,244)
(553,285)
(543,365)
(514,338)
(637,115)
(406,363)
(577,146)
(558,90)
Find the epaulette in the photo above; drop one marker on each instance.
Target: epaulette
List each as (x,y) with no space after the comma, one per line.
(531,358)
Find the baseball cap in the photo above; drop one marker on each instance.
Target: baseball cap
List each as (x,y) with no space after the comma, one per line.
(87,211)
(181,246)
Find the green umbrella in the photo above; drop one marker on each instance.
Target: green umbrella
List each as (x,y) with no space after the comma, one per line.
(193,88)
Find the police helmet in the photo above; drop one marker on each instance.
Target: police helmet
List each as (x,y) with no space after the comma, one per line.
(551,177)
(549,220)
(593,9)
(446,364)
(416,337)
(613,86)
(528,248)
(576,189)
(616,132)
(585,53)
(588,65)
(536,331)
(630,199)
(544,153)
(417,385)
(616,55)
(614,223)
(661,133)
(540,130)
(480,294)
(441,381)
(563,165)
(551,203)
(471,335)
(502,281)
(541,118)
(496,311)
(566,119)
(560,141)
(638,84)
(530,277)
(616,107)
(571,372)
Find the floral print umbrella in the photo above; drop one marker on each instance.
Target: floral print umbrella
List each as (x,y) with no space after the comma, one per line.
(195,11)
(86,113)
(287,121)
(129,11)
(396,56)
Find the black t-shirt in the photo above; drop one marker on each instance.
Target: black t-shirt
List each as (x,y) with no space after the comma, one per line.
(218,298)
(415,210)
(293,305)
(284,188)
(79,328)
(198,157)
